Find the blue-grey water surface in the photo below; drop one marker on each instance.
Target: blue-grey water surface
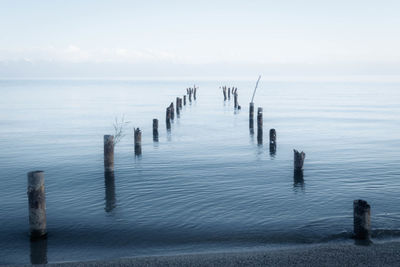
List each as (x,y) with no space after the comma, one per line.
(205,186)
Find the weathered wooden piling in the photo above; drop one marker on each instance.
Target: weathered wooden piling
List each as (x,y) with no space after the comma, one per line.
(251,115)
(37,205)
(109,183)
(235,96)
(180,103)
(229,93)
(168,118)
(177,106)
(190,94)
(155,130)
(184,100)
(298,159)
(109,153)
(194,92)
(224,92)
(272,136)
(260,125)
(138,141)
(171,108)
(362,219)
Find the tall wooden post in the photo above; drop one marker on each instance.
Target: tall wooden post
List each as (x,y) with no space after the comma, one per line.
(108,153)
(138,141)
(155,130)
(260,125)
(37,205)
(362,219)
(171,107)
(298,160)
(251,115)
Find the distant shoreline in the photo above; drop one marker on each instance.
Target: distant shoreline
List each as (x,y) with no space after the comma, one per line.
(380,254)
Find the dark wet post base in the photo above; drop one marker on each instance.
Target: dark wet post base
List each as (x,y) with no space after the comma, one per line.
(38,251)
(109,182)
(37,205)
(260,126)
(155,130)
(362,219)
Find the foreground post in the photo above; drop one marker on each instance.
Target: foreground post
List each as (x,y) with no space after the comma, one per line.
(298,160)
(108,153)
(171,108)
(37,204)
(38,251)
(138,141)
(362,219)
(251,115)
(155,130)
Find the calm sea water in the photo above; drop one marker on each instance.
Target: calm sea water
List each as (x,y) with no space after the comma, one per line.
(205,186)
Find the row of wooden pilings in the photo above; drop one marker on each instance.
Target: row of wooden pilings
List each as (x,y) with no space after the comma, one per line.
(36,188)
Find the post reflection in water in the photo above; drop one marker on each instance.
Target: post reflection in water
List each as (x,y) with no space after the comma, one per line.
(109,181)
(38,250)
(298,179)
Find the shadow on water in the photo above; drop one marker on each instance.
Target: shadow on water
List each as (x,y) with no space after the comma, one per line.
(109,181)
(298,179)
(38,251)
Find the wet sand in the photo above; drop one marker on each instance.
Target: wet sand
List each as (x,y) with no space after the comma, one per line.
(385,254)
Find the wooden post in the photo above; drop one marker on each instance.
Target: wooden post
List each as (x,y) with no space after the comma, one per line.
(362,219)
(190,94)
(138,141)
(229,92)
(235,95)
(251,115)
(155,130)
(224,92)
(184,100)
(194,92)
(260,125)
(37,205)
(177,106)
(180,103)
(171,108)
(168,118)
(109,180)
(298,160)
(108,153)
(272,136)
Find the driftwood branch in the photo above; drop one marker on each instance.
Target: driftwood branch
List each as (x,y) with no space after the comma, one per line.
(254,93)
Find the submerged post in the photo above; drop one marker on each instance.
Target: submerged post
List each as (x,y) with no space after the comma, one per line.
(37,205)
(298,160)
(138,141)
(260,125)
(155,130)
(362,219)
(108,153)
(251,115)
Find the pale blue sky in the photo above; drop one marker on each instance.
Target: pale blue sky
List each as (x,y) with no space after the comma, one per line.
(160,33)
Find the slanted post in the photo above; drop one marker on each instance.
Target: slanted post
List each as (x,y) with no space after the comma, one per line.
(362,219)
(184,100)
(298,160)
(251,116)
(260,125)
(109,153)
(138,141)
(37,205)
(155,130)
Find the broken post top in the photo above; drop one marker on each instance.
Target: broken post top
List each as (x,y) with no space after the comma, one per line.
(35,179)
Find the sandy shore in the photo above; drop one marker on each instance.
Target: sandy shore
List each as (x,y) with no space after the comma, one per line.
(386,254)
